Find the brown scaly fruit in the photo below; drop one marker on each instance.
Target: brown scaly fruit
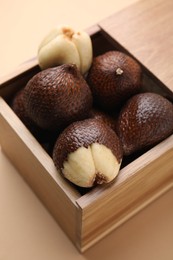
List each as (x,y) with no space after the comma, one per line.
(113,78)
(19,109)
(145,120)
(87,153)
(57,96)
(45,138)
(110,120)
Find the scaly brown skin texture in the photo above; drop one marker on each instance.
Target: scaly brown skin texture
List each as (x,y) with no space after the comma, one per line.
(55,97)
(19,109)
(46,138)
(109,120)
(145,120)
(85,133)
(113,78)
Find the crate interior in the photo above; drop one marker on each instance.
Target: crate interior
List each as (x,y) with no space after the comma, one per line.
(101,43)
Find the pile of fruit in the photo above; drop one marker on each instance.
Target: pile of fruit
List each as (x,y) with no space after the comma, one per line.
(90,111)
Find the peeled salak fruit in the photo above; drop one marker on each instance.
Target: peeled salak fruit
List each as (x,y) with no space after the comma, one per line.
(65,45)
(87,153)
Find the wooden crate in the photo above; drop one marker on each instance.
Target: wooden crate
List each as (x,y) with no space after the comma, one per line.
(89,217)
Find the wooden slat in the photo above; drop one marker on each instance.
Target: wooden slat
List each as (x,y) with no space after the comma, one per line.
(37,168)
(145,29)
(20,70)
(137,185)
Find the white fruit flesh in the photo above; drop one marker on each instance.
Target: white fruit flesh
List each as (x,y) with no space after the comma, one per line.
(95,164)
(52,34)
(80,168)
(58,51)
(84,47)
(64,45)
(105,162)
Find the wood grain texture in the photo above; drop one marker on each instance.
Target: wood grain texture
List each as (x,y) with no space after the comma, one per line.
(145,30)
(37,168)
(137,185)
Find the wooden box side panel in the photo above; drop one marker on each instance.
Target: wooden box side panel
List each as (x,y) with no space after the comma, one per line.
(136,186)
(16,80)
(37,168)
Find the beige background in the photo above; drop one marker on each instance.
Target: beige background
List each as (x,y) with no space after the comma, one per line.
(27,230)
(23,24)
